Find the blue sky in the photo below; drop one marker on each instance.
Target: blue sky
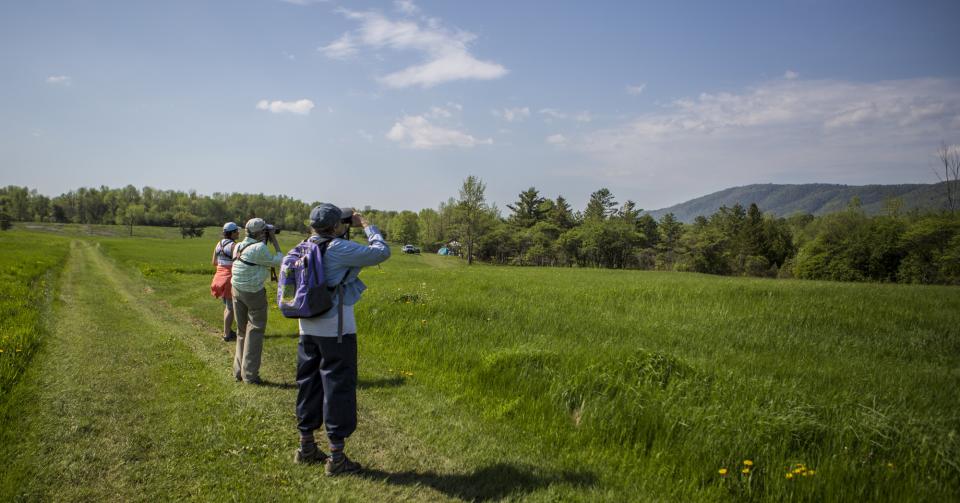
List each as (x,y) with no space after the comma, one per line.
(391,104)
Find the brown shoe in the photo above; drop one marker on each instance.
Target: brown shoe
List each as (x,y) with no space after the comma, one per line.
(344,466)
(309,457)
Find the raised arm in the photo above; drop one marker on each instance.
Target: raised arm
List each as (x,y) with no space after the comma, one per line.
(357,255)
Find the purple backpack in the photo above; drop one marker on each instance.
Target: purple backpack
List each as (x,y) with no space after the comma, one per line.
(301,290)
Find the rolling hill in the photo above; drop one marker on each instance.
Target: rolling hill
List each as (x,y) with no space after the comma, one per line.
(814,198)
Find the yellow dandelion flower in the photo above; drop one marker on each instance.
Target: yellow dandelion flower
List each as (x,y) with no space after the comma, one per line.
(722,471)
(788,475)
(810,472)
(747,462)
(798,470)
(889,465)
(745,471)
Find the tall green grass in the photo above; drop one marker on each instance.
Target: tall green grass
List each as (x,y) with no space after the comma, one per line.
(29,265)
(655,382)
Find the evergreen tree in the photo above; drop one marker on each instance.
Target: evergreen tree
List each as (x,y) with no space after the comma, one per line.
(600,206)
(562,215)
(528,209)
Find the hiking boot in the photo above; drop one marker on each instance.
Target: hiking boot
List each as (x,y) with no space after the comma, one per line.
(344,466)
(310,457)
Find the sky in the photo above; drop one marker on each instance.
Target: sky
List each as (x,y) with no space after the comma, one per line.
(392,104)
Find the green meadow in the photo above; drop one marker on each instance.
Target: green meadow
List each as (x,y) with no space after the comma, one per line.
(478,383)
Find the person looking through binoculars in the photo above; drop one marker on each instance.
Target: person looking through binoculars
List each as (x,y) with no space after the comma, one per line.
(327,352)
(252,262)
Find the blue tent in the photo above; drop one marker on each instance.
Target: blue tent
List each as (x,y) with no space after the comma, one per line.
(443,251)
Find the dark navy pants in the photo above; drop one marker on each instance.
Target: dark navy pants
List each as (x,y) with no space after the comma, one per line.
(327,385)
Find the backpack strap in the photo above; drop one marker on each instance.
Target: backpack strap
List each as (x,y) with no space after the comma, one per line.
(223,249)
(338,289)
(240,255)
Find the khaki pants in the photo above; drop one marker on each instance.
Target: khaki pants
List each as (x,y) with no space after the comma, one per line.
(251,312)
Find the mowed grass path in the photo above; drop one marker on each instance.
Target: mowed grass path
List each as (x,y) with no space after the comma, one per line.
(129,400)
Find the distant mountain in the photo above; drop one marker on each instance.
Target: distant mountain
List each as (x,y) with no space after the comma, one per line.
(814,198)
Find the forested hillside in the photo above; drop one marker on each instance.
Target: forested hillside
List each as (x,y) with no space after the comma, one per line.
(813,198)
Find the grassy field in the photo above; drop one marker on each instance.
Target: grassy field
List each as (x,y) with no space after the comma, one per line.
(491,383)
(28,270)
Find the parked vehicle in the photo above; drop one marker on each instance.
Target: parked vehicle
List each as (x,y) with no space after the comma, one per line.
(410,249)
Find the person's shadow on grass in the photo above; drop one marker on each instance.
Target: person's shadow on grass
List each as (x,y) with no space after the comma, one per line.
(381,382)
(492,482)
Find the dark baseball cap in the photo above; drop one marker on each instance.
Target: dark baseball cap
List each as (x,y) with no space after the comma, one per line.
(327,215)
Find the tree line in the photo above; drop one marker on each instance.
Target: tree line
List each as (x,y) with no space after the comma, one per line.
(908,247)
(534,230)
(131,206)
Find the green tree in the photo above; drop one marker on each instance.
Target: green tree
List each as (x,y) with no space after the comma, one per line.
(647,227)
(561,214)
(470,211)
(528,210)
(133,215)
(670,230)
(600,206)
(404,227)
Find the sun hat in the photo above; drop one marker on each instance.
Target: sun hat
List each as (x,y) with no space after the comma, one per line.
(230,227)
(255,225)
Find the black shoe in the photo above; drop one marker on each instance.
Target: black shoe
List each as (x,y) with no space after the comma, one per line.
(310,457)
(344,466)
(257,381)
(230,338)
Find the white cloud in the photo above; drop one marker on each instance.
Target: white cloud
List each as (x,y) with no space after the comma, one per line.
(790,75)
(513,114)
(304,2)
(557,139)
(342,48)
(439,113)
(418,132)
(583,117)
(406,6)
(552,113)
(785,130)
(365,135)
(446,53)
(288,56)
(636,90)
(59,80)
(299,107)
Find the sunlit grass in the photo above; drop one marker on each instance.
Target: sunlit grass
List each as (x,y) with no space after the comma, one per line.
(662,385)
(29,265)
